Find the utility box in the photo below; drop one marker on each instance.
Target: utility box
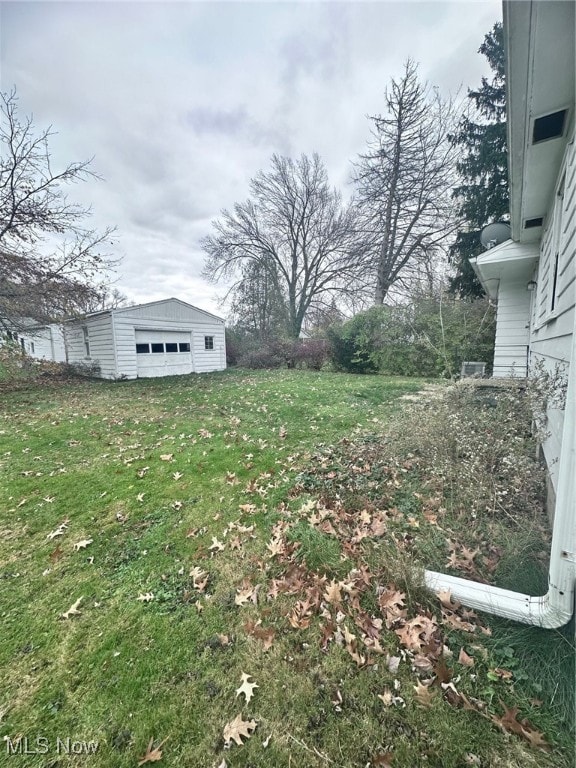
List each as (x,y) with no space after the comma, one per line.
(473,369)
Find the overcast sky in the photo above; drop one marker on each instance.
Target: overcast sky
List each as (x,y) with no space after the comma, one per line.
(182,103)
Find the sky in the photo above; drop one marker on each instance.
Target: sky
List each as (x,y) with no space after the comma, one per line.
(181,103)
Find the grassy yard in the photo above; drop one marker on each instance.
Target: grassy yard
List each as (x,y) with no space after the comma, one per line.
(225,570)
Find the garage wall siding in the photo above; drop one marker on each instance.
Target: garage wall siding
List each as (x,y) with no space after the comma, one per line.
(101,341)
(205,359)
(202,360)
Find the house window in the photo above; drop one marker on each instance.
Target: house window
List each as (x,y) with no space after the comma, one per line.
(157,349)
(171,347)
(208,342)
(184,346)
(142,349)
(86,341)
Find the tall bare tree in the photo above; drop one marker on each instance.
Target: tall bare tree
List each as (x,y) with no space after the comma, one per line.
(50,260)
(257,306)
(404,181)
(297,231)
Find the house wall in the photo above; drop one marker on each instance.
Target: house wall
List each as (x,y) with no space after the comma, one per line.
(512,330)
(554,302)
(43,343)
(100,340)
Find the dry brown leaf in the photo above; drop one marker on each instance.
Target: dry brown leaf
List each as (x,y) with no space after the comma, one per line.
(245,593)
(153,754)
(383,759)
(73,610)
(332,593)
(265,635)
(463,658)
(82,544)
(387,697)
(238,729)
(56,554)
(147,597)
(246,687)
(424,695)
(216,545)
(59,531)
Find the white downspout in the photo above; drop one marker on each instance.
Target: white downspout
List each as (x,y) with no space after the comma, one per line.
(555,608)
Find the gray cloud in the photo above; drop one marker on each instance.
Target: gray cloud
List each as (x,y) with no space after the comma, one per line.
(182,103)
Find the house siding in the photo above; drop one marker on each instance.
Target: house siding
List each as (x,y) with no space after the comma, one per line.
(101,342)
(209,359)
(552,329)
(512,330)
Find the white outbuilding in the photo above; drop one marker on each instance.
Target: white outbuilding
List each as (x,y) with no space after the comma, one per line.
(162,338)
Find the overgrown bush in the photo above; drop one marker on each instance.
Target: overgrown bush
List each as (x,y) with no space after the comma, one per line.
(289,353)
(432,336)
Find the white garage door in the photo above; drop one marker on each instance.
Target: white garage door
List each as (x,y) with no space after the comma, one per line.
(163,353)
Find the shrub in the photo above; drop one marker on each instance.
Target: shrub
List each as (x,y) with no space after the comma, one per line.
(432,336)
(289,353)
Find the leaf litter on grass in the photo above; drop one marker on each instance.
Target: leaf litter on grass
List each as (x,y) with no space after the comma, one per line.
(322,567)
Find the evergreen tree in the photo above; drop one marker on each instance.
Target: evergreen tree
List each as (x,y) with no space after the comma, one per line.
(483,193)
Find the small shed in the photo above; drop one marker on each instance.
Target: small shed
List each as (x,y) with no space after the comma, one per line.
(162,338)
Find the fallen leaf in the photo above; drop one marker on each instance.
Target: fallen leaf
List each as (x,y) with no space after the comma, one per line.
(265,635)
(146,597)
(216,545)
(152,754)
(56,554)
(82,544)
(463,658)
(177,475)
(59,531)
(73,610)
(383,759)
(166,456)
(424,695)
(238,729)
(246,687)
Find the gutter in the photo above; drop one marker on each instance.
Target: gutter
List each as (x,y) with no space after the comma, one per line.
(556,607)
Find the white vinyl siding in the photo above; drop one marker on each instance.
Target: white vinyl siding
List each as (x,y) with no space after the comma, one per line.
(552,330)
(95,334)
(209,359)
(512,330)
(111,336)
(135,324)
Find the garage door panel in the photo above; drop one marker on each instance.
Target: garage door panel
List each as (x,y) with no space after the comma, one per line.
(163,353)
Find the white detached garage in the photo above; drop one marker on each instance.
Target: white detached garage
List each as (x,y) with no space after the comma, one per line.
(163,338)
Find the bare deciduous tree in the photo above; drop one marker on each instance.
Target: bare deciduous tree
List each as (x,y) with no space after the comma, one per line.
(404,182)
(298,232)
(50,261)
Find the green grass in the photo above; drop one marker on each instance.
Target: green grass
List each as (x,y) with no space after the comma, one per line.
(159,474)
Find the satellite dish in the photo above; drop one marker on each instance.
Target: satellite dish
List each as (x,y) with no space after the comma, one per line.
(494,234)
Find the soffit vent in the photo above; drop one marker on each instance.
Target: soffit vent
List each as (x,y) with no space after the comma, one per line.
(549,126)
(531,223)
